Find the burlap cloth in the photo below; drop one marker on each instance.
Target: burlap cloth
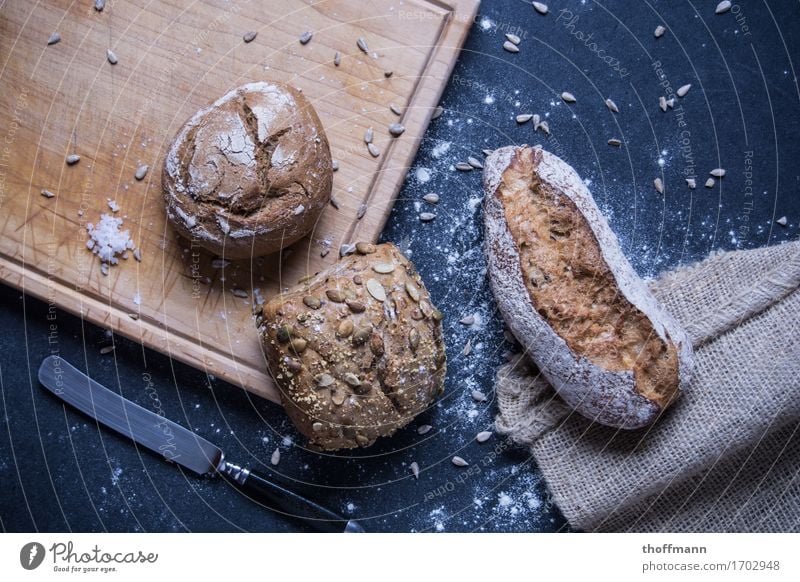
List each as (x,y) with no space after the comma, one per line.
(726,455)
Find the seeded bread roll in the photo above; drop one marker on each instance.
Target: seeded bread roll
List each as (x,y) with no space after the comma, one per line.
(570,296)
(357,350)
(250,174)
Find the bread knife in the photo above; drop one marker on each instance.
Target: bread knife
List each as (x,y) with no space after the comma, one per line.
(179,445)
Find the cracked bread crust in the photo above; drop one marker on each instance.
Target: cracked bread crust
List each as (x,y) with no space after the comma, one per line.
(250,174)
(572,299)
(356,350)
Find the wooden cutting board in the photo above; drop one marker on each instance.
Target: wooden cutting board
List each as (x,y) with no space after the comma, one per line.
(175,56)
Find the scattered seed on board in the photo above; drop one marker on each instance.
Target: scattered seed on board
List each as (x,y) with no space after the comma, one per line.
(47,194)
(487,152)
(783,221)
(723,7)
(388,74)
(662,103)
(614,142)
(337,59)
(141,172)
(334,203)
(361,43)
(431,198)
(106,350)
(659,32)
(467,348)
(424,429)
(426,216)
(112,58)
(437,112)
(305,38)
(540,7)
(710,183)
(513,38)
(347,249)
(612,106)
(463,167)
(659,185)
(239,292)
(682,91)
(414,469)
(467,320)
(54,38)
(568,97)
(73,159)
(276,457)
(396,129)
(510,47)
(99,5)
(249,36)
(717,173)
(692,183)
(220,263)
(524,117)
(475,163)
(478,396)
(335,165)
(362,210)
(368,135)
(137,254)
(459,462)
(545,127)
(395,109)
(483,436)
(373,151)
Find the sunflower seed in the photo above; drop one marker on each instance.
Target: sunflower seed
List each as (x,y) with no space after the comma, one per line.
(413,339)
(276,457)
(459,462)
(373,151)
(483,436)
(305,38)
(249,36)
(467,348)
(537,119)
(659,32)
(383,268)
(723,7)
(99,5)
(683,90)
(467,320)
(238,292)
(426,216)
(463,167)
(220,263)
(141,172)
(335,165)
(431,198)
(395,109)
(710,183)
(335,295)
(54,38)
(352,380)
(362,210)
(396,129)
(540,7)
(545,127)
(73,159)
(510,47)
(347,249)
(376,289)
(388,74)
(717,173)
(324,380)
(412,291)
(437,112)
(783,221)
(47,194)
(112,58)
(368,135)
(612,106)
(568,97)
(414,469)
(424,429)
(671,102)
(475,163)
(692,183)
(337,59)
(106,350)
(614,142)
(513,38)
(659,185)
(312,302)
(478,396)
(662,103)
(487,152)
(362,44)
(524,117)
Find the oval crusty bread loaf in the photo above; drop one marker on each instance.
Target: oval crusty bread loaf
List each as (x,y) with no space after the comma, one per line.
(356,350)
(249,174)
(570,296)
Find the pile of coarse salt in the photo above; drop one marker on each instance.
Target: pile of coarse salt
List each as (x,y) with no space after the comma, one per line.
(107,241)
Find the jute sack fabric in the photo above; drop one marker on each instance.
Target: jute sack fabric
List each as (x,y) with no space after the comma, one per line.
(726,455)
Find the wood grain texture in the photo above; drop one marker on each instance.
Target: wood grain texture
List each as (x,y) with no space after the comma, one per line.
(173,58)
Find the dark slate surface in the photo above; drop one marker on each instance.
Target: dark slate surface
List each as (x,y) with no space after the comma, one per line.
(58,471)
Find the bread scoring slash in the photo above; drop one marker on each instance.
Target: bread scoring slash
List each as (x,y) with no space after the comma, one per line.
(570,296)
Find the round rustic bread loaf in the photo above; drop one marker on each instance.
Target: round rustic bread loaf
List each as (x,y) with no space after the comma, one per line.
(571,297)
(249,174)
(357,350)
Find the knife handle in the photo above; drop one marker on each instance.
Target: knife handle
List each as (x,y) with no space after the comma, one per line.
(260,488)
